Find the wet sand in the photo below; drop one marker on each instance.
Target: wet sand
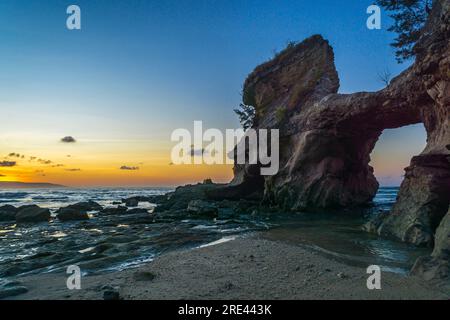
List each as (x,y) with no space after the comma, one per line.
(246,268)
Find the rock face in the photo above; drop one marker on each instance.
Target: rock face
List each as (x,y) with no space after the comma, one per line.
(437,266)
(32,213)
(326,138)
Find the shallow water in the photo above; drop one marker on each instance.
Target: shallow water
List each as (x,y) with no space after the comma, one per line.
(104,242)
(117,242)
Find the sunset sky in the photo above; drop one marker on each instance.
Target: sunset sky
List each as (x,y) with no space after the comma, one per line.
(140,69)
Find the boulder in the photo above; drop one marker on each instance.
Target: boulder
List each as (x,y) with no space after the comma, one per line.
(131,202)
(7,213)
(32,213)
(437,266)
(84,206)
(136,211)
(180,198)
(111,295)
(69,214)
(200,208)
(113,211)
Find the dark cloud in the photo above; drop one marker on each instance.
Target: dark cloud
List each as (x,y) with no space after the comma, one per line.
(14,155)
(68,139)
(73,170)
(7,163)
(197,152)
(2,175)
(128,168)
(43,161)
(57,165)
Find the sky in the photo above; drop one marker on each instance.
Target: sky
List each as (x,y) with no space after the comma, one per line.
(139,69)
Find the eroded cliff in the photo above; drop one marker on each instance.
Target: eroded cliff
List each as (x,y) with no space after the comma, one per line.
(326,138)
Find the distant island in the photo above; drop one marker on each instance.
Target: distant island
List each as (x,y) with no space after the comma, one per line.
(26,185)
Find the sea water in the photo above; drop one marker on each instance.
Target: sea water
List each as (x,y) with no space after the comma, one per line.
(117,242)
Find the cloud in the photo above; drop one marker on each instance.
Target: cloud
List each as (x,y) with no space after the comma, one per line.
(197,152)
(57,165)
(73,170)
(14,155)
(128,168)
(43,161)
(2,175)
(68,139)
(7,163)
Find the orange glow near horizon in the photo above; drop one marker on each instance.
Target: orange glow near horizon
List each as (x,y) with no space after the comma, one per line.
(99,164)
(89,163)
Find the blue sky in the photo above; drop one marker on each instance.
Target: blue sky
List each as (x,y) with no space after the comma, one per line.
(139,69)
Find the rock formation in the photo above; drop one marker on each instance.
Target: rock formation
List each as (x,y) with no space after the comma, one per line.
(32,213)
(326,138)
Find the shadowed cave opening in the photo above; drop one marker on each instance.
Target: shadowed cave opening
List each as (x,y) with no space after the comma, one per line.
(393,153)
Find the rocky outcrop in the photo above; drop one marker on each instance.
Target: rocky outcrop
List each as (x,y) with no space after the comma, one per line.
(200,208)
(326,138)
(32,213)
(424,196)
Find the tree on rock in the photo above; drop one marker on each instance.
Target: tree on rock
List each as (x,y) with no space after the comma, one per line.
(246,115)
(409,19)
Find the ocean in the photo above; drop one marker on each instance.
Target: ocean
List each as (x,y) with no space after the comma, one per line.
(116,242)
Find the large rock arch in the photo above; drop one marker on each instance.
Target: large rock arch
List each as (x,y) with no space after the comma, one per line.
(327,138)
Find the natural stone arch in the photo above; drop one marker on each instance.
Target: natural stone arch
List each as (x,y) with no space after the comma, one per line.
(327,138)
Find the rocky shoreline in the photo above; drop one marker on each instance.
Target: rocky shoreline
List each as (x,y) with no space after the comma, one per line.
(246,268)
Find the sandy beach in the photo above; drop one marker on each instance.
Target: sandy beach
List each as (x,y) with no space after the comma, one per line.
(246,268)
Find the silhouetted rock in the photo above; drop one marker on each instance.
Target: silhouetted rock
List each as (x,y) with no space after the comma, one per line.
(8,213)
(112,211)
(137,210)
(180,198)
(111,295)
(131,202)
(202,208)
(84,206)
(68,214)
(32,213)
